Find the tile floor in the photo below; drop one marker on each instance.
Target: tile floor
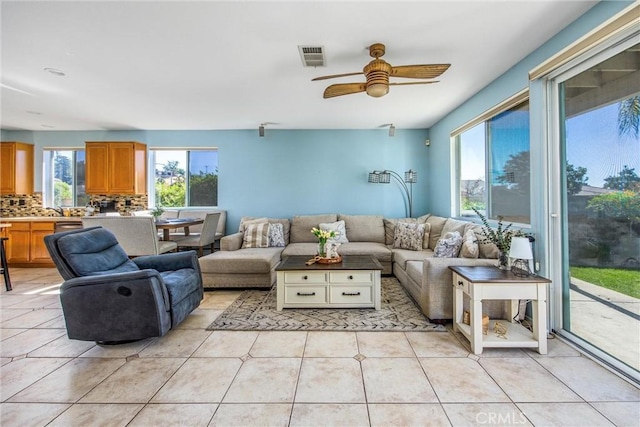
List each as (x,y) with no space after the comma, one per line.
(195,377)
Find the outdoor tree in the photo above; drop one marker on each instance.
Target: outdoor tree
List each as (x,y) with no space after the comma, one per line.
(171,195)
(627,179)
(575,179)
(203,189)
(517,172)
(62,169)
(629,116)
(620,205)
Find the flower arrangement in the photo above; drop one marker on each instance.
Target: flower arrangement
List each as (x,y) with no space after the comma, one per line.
(323,236)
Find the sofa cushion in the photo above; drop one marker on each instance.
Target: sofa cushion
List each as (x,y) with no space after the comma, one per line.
(448,246)
(307,249)
(377,250)
(437,224)
(364,228)
(408,235)
(339,228)
(414,269)
(243,261)
(256,236)
(301,226)
(454,225)
(402,256)
(470,247)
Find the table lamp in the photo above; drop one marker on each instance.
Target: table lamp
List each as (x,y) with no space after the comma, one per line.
(521,253)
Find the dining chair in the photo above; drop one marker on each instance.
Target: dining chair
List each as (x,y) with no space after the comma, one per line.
(206,237)
(136,234)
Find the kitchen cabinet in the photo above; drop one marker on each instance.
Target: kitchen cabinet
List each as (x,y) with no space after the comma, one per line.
(116,167)
(25,246)
(16,167)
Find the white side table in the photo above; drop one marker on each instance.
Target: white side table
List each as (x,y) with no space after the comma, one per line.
(490,283)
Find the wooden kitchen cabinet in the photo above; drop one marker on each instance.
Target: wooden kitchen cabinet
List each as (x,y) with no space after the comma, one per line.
(25,246)
(116,167)
(16,167)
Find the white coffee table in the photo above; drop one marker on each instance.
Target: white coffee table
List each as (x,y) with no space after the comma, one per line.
(352,283)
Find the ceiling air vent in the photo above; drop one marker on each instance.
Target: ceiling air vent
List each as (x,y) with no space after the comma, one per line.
(312,56)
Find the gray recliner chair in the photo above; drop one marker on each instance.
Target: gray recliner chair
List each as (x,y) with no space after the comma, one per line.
(109,298)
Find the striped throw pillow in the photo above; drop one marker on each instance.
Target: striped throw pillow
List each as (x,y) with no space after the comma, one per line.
(256,236)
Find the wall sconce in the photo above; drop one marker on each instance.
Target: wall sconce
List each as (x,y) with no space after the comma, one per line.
(410,177)
(261,130)
(392,130)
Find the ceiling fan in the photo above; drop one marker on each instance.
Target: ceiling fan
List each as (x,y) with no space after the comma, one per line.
(378,72)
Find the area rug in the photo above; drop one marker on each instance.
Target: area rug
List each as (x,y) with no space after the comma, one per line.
(255,310)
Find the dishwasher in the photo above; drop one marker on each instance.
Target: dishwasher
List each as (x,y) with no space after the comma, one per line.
(62,226)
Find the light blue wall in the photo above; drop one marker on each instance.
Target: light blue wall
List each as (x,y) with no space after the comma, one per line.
(288,172)
(511,82)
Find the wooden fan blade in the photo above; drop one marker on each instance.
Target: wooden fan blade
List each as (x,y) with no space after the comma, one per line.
(344,89)
(426,71)
(336,76)
(414,83)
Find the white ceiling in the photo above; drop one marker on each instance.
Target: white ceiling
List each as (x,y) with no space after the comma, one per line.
(232,65)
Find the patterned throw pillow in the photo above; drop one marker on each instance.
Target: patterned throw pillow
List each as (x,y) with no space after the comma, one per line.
(338,227)
(276,235)
(408,235)
(256,236)
(448,246)
(470,247)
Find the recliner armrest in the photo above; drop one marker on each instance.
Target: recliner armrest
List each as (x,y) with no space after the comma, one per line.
(110,279)
(168,262)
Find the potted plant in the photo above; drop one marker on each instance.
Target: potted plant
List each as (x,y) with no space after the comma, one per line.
(500,236)
(156,212)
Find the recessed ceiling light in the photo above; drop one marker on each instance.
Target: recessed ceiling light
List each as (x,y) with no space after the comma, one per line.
(55,72)
(35,113)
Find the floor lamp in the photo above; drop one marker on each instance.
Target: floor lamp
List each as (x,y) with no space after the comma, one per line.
(410,177)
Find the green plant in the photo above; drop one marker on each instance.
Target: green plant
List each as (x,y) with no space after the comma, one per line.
(501,235)
(157,211)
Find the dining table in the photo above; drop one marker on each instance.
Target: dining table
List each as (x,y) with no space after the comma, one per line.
(168,224)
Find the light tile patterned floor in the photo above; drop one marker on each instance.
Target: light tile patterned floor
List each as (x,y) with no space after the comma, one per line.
(226,378)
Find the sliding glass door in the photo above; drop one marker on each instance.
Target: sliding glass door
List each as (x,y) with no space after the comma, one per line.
(599,251)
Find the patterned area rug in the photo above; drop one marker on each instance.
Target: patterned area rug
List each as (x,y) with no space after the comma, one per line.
(255,310)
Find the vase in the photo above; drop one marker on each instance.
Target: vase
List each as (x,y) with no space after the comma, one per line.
(503,261)
(322,249)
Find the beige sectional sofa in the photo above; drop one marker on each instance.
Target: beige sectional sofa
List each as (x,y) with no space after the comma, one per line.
(426,277)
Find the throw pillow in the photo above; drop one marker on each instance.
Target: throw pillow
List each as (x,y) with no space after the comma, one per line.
(408,235)
(276,235)
(470,247)
(339,228)
(448,246)
(246,220)
(256,236)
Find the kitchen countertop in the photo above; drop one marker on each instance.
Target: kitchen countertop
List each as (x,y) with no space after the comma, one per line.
(77,219)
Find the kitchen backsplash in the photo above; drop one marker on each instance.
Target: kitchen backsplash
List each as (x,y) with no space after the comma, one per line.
(16,205)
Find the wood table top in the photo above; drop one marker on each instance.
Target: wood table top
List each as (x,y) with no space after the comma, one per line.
(349,262)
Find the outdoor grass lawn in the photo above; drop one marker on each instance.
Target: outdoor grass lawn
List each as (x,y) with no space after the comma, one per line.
(624,281)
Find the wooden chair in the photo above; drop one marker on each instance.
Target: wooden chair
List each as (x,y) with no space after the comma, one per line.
(136,234)
(206,237)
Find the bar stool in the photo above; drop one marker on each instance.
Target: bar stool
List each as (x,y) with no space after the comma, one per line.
(3,264)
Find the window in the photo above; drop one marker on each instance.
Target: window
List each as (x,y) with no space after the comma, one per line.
(184,178)
(64,180)
(493,165)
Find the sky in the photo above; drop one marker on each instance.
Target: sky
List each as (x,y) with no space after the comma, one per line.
(204,163)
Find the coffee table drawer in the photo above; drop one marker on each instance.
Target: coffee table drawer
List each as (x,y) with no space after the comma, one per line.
(305,294)
(351,294)
(305,277)
(351,277)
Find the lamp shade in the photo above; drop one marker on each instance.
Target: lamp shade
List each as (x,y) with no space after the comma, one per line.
(520,248)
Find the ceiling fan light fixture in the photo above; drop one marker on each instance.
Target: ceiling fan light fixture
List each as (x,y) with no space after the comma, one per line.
(377,90)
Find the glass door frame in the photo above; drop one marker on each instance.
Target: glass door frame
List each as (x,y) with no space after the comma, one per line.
(557,224)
